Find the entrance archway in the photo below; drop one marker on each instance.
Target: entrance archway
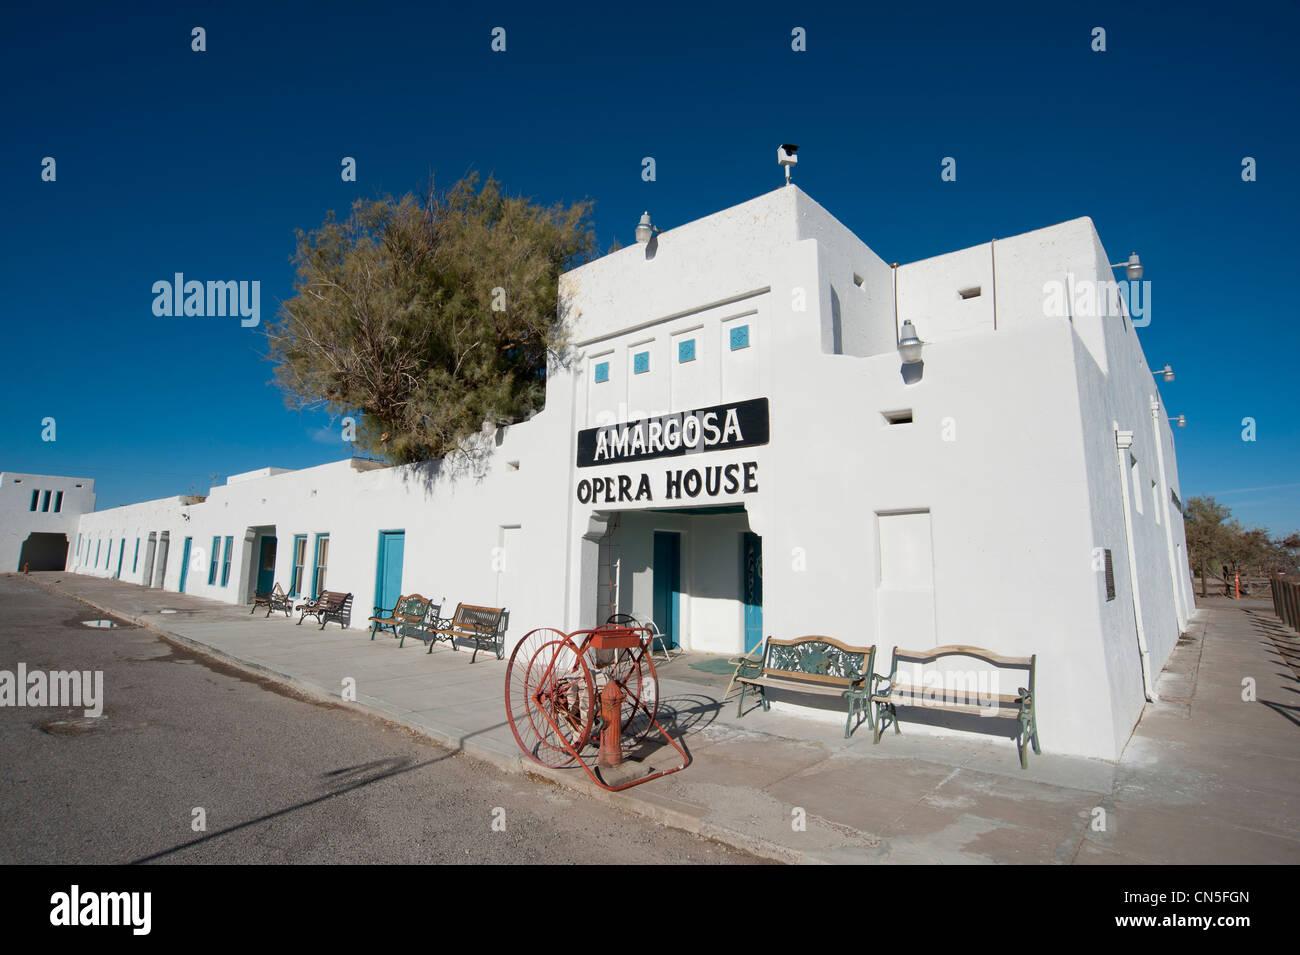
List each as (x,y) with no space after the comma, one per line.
(44,552)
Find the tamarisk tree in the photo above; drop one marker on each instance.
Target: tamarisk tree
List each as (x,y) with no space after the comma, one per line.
(428,314)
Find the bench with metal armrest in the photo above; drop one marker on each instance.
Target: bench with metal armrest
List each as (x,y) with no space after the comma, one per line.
(959,696)
(272,600)
(407,618)
(485,627)
(330,605)
(813,664)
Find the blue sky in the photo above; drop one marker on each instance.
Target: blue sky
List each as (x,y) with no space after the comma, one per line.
(204,163)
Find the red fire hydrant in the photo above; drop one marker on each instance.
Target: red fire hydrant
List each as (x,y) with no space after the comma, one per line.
(25,566)
(611,729)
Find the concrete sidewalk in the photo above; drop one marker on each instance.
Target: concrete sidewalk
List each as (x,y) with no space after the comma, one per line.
(1206,777)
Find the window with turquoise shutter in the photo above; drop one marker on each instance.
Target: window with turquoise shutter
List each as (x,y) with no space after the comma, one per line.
(602,371)
(225,564)
(739,337)
(686,351)
(641,363)
(299,562)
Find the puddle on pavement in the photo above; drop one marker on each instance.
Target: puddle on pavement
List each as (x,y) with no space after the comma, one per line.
(100,623)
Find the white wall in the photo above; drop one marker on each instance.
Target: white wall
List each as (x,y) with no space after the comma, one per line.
(18,521)
(453,529)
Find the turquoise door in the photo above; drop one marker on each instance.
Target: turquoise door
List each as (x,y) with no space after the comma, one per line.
(751,589)
(121,550)
(265,565)
(185,563)
(388,568)
(667,585)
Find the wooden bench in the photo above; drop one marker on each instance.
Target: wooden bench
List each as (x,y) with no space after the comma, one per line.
(407,618)
(892,694)
(276,599)
(485,627)
(814,664)
(330,605)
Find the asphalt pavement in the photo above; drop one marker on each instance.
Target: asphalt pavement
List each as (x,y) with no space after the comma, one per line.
(275,776)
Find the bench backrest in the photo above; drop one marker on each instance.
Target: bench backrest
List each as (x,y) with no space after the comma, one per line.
(410,608)
(479,619)
(817,658)
(335,602)
(930,656)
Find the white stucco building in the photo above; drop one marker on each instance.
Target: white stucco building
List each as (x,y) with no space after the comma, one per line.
(1016,490)
(38,518)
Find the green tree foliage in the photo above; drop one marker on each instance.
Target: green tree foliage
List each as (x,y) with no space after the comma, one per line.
(428,315)
(1215,539)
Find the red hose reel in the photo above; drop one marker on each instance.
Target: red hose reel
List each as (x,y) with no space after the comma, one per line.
(567,692)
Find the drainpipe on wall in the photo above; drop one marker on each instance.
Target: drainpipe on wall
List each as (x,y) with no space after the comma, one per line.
(1124,441)
(993,268)
(1180,613)
(894,268)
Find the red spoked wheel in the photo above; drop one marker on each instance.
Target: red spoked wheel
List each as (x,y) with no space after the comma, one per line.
(550,697)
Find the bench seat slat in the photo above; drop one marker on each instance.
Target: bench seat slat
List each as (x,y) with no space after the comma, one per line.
(798,685)
(931,695)
(996,711)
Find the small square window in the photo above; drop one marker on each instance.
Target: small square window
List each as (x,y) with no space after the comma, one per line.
(969,293)
(640,363)
(686,350)
(602,371)
(739,337)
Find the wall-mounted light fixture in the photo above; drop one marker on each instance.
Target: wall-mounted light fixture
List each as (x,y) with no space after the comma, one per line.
(785,156)
(1132,268)
(909,345)
(645,230)
(1167,371)
(1181,419)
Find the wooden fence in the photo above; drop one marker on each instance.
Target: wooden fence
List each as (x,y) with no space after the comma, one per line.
(1286,600)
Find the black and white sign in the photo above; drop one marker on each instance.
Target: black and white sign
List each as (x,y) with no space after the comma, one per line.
(740,424)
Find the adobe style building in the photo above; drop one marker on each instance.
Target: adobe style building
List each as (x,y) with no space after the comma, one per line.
(735,448)
(38,518)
